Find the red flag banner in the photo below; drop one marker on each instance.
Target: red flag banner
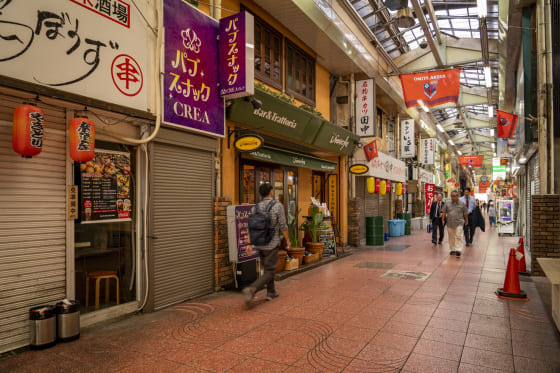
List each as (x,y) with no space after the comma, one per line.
(506,124)
(432,88)
(429,189)
(483,186)
(472,160)
(370,150)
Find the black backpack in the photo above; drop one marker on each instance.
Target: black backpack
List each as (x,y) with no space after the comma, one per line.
(261,230)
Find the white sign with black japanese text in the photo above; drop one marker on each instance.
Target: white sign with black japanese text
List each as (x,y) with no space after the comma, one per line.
(427,152)
(365,108)
(92,48)
(407,138)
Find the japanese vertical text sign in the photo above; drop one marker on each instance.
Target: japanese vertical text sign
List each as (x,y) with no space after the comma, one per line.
(427,156)
(429,190)
(190,83)
(407,138)
(431,88)
(237,55)
(366,112)
(95,49)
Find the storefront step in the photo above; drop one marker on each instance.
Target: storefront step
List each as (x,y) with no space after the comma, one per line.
(284,275)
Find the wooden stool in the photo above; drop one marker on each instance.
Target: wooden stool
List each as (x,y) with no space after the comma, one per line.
(98,276)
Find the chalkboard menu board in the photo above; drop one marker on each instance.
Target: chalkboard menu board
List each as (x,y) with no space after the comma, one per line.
(326,236)
(105,188)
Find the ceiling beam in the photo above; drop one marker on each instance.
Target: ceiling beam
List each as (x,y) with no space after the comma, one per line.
(440,59)
(433,18)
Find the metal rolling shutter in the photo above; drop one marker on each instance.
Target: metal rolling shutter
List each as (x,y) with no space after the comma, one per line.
(385,209)
(360,193)
(32,224)
(182,221)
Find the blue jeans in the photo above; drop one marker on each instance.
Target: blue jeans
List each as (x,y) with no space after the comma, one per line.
(492,220)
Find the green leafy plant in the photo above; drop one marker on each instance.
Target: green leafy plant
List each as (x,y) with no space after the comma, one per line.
(314,224)
(311,110)
(293,213)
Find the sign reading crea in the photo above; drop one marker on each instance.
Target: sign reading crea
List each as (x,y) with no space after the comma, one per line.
(191,98)
(95,49)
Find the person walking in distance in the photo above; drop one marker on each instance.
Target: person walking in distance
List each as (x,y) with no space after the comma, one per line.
(437,222)
(492,213)
(470,202)
(268,252)
(455,214)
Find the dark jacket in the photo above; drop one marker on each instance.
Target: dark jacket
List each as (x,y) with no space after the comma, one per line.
(433,209)
(478,219)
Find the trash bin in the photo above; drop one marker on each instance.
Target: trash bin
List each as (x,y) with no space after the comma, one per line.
(67,320)
(42,325)
(402,226)
(394,230)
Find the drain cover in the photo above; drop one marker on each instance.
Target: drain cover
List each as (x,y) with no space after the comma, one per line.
(374,265)
(388,247)
(406,275)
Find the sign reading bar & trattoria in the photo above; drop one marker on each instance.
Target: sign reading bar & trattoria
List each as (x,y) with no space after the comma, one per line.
(105,188)
(191,98)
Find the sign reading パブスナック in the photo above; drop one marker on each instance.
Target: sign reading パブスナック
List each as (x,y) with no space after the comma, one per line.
(237,55)
(95,49)
(407,138)
(191,98)
(366,111)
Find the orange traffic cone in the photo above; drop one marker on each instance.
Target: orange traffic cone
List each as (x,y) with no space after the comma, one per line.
(511,287)
(521,265)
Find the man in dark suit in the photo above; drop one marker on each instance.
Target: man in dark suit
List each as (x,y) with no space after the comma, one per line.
(435,217)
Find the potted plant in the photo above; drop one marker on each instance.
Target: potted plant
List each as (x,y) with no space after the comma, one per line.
(293,212)
(312,225)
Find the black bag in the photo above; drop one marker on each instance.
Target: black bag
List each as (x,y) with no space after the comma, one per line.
(261,230)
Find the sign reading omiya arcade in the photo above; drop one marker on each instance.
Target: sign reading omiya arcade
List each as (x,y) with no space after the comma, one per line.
(95,49)
(191,98)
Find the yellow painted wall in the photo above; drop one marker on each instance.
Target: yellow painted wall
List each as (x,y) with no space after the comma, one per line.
(322,98)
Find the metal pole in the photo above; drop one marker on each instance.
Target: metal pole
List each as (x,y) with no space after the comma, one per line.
(542,97)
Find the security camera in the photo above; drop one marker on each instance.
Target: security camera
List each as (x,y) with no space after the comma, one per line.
(257,104)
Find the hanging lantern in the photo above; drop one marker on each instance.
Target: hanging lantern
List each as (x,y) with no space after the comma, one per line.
(398,188)
(383,187)
(377,185)
(27,133)
(405,19)
(389,186)
(371,184)
(82,139)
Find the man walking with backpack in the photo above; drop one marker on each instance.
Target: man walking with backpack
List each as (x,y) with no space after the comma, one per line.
(266,219)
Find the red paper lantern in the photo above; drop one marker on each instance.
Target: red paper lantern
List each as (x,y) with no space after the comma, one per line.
(82,139)
(388,186)
(377,185)
(27,133)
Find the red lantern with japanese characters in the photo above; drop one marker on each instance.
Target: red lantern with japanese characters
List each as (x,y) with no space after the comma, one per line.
(377,185)
(27,131)
(82,139)
(389,186)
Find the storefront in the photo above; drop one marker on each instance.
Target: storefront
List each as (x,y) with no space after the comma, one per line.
(385,170)
(303,157)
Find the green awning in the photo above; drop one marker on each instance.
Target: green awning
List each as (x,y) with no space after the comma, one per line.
(282,118)
(289,158)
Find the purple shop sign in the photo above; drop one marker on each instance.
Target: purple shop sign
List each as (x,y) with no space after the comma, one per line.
(190,92)
(237,55)
(238,233)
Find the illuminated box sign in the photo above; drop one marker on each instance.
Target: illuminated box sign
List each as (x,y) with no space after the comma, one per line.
(190,92)
(237,55)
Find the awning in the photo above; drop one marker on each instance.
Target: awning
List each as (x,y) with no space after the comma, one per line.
(282,118)
(289,158)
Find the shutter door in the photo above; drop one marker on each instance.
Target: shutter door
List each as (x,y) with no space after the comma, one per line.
(361,194)
(32,224)
(385,209)
(182,221)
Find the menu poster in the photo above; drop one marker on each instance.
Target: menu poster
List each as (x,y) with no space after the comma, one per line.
(238,233)
(105,188)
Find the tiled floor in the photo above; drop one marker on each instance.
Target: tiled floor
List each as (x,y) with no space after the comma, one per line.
(339,317)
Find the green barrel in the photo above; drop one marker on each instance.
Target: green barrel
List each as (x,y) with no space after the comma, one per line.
(374,230)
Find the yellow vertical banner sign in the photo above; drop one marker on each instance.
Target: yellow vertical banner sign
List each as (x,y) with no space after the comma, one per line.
(332,196)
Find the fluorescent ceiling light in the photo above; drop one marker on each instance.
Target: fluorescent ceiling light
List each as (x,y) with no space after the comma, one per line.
(490,111)
(459,152)
(492,132)
(494,154)
(423,106)
(440,128)
(493,146)
(522,160)
(488,76)
(507,169)
(482,8)
(451,142)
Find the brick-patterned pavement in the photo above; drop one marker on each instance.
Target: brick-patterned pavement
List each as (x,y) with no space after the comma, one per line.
(339,317)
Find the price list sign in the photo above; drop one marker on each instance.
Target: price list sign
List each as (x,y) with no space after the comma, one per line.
(105,188)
